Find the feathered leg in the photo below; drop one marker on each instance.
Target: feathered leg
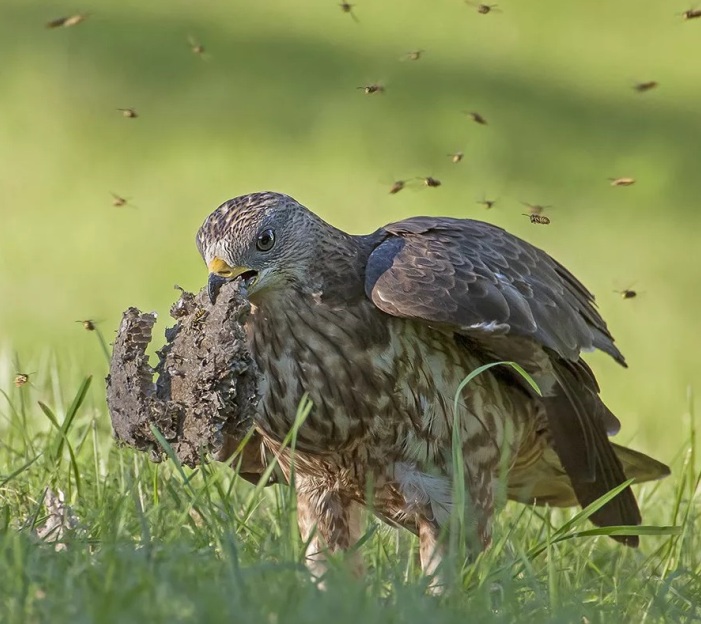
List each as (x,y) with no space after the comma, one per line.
(432,552)
(329,523)
(429,501)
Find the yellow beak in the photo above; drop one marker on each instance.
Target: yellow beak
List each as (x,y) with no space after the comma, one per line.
(222,269)
(219,273)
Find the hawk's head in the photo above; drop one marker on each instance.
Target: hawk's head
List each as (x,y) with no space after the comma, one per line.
(266,239)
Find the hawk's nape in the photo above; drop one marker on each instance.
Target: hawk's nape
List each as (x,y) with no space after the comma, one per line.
(379,331)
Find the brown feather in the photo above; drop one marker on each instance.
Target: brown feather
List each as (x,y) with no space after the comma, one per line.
(475,276)
(580,440)
(538,477)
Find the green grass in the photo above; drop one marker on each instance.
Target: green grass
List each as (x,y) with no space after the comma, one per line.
(162,543)
(275,106)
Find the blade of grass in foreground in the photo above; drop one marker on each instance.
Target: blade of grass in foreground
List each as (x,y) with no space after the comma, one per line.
(19,471)
(75,405)
(18,419)
(458,536)
(170,453)
(70,416)
(57,451)
(566,531)
(303,410)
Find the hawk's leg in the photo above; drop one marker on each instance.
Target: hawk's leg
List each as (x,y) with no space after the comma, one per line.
(329,523)
(430,498)
(431,552)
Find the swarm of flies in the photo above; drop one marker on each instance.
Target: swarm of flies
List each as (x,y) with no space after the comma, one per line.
(413,55)
(397,186)
(197,48)
(690,14)
(129,113)
(119,202)
(642,87)
(622,181)
(22,379)
(535,213)
(535,209)
(476,117)
(371,88)
(66,22)
(91,326)
(347,7)
(487,203)
(415,183)
(537,219)
(430,182)
(627,293)
(483,9)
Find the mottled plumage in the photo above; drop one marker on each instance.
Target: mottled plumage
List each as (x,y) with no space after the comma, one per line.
(380,330)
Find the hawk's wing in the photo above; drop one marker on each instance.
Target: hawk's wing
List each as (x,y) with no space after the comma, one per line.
(482,282)
(481,279)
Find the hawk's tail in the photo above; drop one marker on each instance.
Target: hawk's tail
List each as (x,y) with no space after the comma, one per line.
(546,482)
(638,466)
(575,462)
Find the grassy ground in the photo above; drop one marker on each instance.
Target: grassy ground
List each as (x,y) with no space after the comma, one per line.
(158,543)
(274,105)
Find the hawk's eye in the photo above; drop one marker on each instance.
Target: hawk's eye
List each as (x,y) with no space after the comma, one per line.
(266,240)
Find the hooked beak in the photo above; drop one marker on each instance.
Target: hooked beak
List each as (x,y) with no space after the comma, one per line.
(221,272)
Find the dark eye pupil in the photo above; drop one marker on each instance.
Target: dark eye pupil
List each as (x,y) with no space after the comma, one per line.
(266,240)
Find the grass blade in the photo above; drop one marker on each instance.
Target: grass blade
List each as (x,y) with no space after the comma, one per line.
(57,452)
(19,471)
(71,413)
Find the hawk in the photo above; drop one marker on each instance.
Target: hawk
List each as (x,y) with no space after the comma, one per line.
(379,331)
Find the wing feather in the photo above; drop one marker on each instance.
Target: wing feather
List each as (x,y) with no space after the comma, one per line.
(470,274)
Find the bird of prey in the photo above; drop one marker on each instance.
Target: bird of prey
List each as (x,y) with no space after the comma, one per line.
(379,331)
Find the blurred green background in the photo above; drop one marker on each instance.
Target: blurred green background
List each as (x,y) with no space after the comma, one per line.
(274,104)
